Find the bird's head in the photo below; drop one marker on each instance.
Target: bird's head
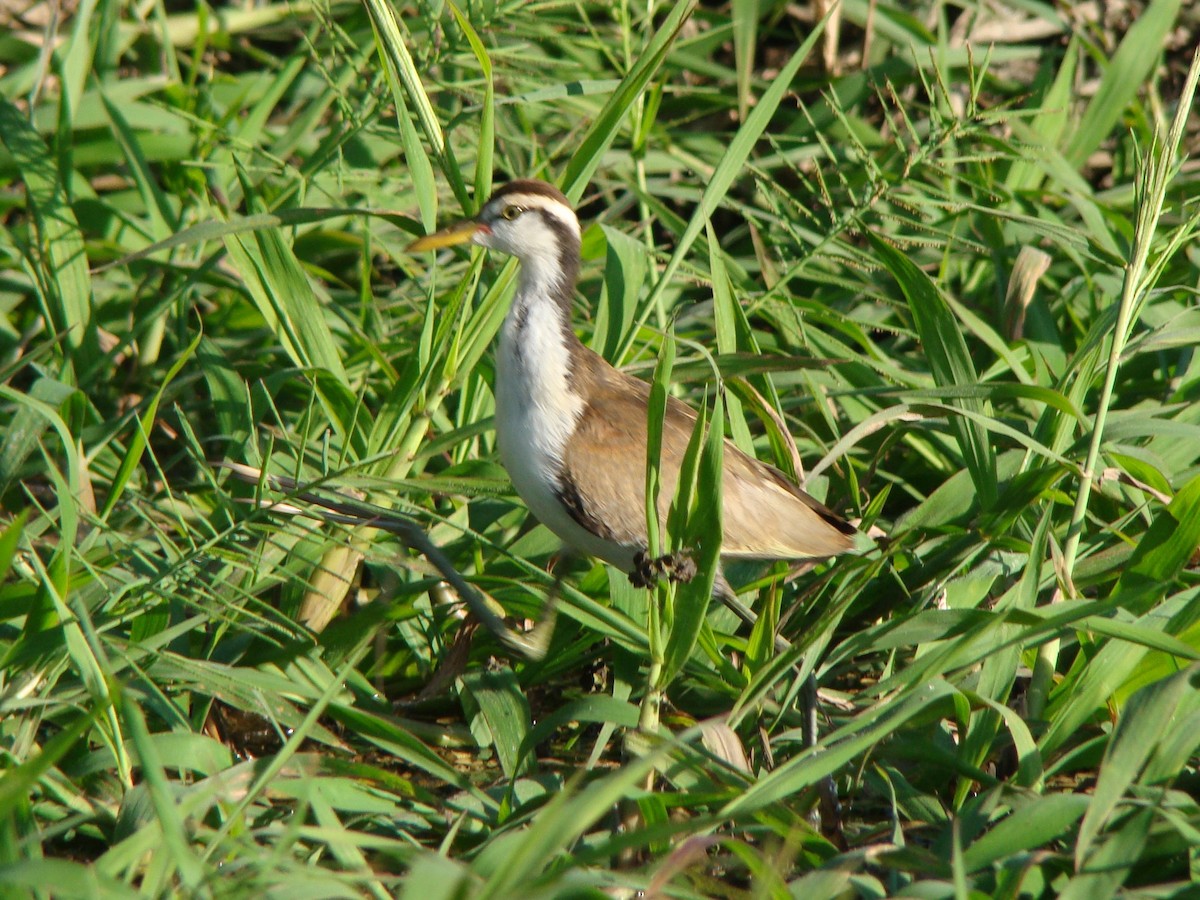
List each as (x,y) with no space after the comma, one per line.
(530,220)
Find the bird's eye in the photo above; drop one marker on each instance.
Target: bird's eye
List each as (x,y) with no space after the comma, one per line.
(511,212)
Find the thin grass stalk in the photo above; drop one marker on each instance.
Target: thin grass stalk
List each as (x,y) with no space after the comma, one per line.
(723,176)
(1161,163)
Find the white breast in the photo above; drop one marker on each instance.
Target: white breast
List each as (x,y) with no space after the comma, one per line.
(535,417)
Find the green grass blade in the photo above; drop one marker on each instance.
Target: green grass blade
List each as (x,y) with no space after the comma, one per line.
(659,390)
(626,264)
(27,425)
(1035,822)
(604,129)
(568,815)
(949,360)
(176,846)
(1135,59)
(142,427)
(506,711)
(285,298)
(60,259)
(1161,556)
(1110,865)
(836,750)
(20,780)
(487,115)
(701,535)
(745,35)
(1151,715)
(731,165)
(70,879)
(393,41)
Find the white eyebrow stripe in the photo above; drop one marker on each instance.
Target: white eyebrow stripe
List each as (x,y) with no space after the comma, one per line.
(564,214)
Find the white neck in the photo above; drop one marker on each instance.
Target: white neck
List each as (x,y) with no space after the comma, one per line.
(533,363)
(536,411)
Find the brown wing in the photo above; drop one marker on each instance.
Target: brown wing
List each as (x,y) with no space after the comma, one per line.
(765,515)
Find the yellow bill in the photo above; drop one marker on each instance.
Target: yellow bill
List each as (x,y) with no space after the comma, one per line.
(458,233)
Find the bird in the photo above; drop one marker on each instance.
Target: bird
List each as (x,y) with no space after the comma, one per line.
(571,429)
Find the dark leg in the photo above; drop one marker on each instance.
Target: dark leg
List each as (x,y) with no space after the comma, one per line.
(828,814)
(673,567)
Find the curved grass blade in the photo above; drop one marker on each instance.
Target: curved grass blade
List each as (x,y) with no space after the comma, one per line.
(60,260)
(949,360)
(607,124)
(1152,714)
(393,48)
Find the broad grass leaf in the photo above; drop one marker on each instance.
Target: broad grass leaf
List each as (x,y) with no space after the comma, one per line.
(228,392)
(999,670)
(1095,680)
(597,709)
(1103,873)
(24,430)
(434,876)
(1034,822)
(10,539)
(701,534)
(1152,715)
(654,814)
(64,281)
(839,748)
(830,884)
(70,879)
(1150,635)
(1158,560)
(1166,548)
(181,751)
(949,361)
(504,707)
(176,846)
(1136,57)
(626,265)
(655,413)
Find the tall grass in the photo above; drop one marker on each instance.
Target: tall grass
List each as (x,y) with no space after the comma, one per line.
(211,687)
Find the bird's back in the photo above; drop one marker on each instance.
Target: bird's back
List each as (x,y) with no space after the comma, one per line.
(765,516)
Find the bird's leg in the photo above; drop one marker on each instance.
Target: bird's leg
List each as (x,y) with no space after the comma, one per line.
(647,570)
